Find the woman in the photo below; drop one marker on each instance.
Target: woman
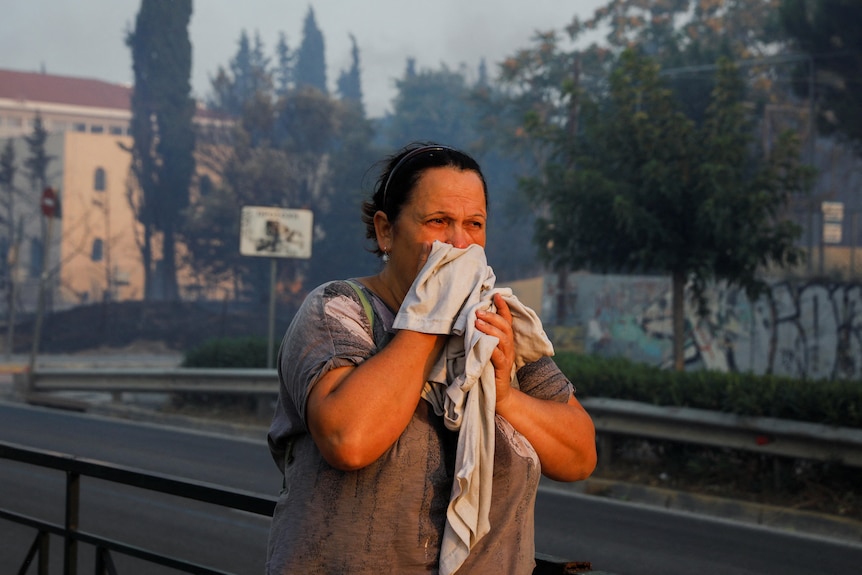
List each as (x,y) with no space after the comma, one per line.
(368,465)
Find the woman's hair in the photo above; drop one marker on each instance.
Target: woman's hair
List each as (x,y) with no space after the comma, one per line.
(400,174)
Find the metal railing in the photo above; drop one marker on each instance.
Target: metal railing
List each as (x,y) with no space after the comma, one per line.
(76,467)
(613,418)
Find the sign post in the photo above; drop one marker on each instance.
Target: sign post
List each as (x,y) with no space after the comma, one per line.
(275,233)
(48,205)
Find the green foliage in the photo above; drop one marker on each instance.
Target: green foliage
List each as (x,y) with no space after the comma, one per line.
(831,402)
(238,353)
(431,105)
(640,187)
(37,163)
(294,146)
(247,75)
(164,140)
(310,69)
(830,31)
(349,85)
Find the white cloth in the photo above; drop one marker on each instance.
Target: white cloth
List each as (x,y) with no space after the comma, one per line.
(452,286)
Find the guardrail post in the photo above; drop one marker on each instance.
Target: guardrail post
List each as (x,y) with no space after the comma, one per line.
(73,505)
(605,450)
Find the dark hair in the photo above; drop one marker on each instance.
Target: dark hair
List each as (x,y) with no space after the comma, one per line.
(400,174)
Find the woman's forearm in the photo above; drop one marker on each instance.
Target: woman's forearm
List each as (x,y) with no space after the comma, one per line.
(562,434)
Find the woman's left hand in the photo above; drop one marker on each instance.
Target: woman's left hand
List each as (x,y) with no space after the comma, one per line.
(499,325)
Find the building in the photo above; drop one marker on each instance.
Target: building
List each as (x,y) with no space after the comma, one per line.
(94,254)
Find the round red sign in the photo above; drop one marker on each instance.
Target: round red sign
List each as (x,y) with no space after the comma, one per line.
(49,202)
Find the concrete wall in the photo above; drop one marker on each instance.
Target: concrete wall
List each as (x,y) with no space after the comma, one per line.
(812,328)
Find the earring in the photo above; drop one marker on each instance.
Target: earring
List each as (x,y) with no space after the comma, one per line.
(385,257)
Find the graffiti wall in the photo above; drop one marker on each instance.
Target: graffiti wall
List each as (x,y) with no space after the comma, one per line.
(801,329)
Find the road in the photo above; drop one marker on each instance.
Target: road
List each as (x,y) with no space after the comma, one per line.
(624,539)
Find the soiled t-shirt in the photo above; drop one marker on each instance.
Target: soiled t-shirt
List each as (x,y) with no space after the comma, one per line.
(387,517)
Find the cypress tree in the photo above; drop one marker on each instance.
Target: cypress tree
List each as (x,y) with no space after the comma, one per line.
(349,84)
(162,152)
(310,60)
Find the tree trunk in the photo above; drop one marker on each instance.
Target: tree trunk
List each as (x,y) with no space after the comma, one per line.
(169,265)
(678,305)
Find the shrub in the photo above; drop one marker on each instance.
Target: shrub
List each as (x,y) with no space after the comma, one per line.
(832,402)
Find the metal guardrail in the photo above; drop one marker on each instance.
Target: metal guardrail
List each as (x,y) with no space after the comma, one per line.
(76,467)
(699,426)
(612,417)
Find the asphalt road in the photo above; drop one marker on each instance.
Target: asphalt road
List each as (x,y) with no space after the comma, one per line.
(618,538)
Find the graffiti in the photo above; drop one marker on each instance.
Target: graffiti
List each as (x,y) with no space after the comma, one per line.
(807,329)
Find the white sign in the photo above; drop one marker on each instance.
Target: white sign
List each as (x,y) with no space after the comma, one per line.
(832,211)
(831,233)
(275,232)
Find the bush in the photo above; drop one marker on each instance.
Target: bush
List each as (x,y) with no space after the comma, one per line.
(837,402)
(238,353)
(241,352)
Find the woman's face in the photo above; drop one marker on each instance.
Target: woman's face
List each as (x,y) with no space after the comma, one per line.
(448,205)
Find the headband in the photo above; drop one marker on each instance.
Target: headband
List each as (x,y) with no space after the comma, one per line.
(406,158)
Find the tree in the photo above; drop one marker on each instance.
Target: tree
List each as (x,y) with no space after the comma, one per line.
(310,68)
(643,188)
(830,31)
(432,105)
(36,164)
(247,74)
(11,236)
(163,150)
(349,82)
(284,59)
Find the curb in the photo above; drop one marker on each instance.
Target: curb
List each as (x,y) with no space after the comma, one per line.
(772,517)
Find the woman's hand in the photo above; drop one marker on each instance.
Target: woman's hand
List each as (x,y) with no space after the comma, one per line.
(499,325)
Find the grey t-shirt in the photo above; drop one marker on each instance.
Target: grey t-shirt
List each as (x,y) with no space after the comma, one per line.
(389,516)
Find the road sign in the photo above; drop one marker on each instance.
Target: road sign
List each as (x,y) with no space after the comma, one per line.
(49,202)
(833,219)
(275,232)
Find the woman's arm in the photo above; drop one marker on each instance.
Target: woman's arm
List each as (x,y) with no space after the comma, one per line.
(562,434)
(354,414)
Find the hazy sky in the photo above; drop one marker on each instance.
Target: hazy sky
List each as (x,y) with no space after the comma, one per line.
(86,37)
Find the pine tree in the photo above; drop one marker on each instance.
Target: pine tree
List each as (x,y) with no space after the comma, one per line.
(349,83)
(37,163)
(248,75)
(163,150)
(310,67)
(283,73)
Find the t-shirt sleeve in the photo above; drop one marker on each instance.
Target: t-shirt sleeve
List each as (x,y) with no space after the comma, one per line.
(330,330)
(544,380)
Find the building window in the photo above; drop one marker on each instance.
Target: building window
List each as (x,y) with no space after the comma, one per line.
(96,256)
(79,127)
(35,267)
(116,130)
(99,180)
(97,129)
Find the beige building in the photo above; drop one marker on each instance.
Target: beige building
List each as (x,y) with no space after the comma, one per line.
(94,253)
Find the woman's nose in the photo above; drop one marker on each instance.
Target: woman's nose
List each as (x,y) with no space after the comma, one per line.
(458,237)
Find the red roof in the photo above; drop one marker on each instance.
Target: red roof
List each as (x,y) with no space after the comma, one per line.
(37,87)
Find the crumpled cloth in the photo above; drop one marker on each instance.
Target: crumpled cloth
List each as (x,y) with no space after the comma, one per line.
(452,286)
